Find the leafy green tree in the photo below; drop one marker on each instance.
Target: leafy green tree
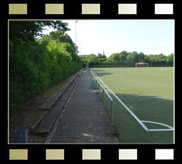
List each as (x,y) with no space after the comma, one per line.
(84,60)
(170,57)
(23,31)
(121,57)
(160,57)
(65,39)
(99,55)
(103,55)
(146,59)
(131,57)
(124,53)
(115,57)
(141,57)
(92,60)
(101,58)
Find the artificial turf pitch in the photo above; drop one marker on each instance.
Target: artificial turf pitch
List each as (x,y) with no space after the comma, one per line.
(148,93)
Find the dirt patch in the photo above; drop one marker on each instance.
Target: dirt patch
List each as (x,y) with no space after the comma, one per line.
(28,113)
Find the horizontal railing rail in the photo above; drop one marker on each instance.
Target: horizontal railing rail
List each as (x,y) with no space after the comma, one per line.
(98,85)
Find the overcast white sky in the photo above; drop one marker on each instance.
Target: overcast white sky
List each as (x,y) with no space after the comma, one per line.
(111,36)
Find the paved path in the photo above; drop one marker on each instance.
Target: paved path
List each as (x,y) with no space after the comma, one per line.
(85,119)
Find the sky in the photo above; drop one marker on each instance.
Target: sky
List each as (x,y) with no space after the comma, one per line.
(112,36)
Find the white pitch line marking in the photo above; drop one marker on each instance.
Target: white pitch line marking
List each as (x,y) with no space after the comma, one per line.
(122,77)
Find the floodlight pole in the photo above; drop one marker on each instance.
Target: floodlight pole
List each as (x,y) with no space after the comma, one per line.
(75,33)
(80,48)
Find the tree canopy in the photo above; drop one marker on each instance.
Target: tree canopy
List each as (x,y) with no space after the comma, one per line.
(125,58)
(23,31)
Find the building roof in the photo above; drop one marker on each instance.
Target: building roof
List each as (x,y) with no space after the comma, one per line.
(84,55)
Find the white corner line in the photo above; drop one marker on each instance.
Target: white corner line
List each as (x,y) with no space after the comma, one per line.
(170,128)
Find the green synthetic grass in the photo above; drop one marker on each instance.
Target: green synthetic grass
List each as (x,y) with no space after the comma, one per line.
(148,92)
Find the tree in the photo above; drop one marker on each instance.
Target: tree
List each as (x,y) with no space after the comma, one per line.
(170,57)
(160,57)
(103,55)
(141,57)
(121,57)
(136,56)
(125,53)
(60,37)
(23,31)
(131,57)
(115,57)
(92,60)
(84,60)
(146,59)
(99,55)
(101,58)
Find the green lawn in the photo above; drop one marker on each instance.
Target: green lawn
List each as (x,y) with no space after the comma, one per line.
(148,93)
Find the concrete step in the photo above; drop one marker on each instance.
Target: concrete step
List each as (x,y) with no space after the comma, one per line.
(57,101)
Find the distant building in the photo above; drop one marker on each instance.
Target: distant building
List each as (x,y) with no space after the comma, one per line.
(84,55)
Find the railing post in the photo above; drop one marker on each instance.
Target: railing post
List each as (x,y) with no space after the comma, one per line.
(104,97)
(96,87)
(112,119)
(99,89)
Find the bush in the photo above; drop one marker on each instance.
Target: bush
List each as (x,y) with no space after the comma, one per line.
(34,67)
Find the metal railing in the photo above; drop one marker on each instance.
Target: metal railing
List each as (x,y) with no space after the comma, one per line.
(103,94)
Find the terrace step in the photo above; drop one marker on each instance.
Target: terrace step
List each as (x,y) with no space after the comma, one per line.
(54,105)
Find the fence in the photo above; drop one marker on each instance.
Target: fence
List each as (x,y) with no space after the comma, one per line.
(132,65)
(105,97)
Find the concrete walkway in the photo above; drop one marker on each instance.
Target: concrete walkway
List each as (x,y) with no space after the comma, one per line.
(85,119)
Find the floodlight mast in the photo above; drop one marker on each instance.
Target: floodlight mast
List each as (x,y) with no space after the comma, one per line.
(80,48)
(76,36)
(75,33)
